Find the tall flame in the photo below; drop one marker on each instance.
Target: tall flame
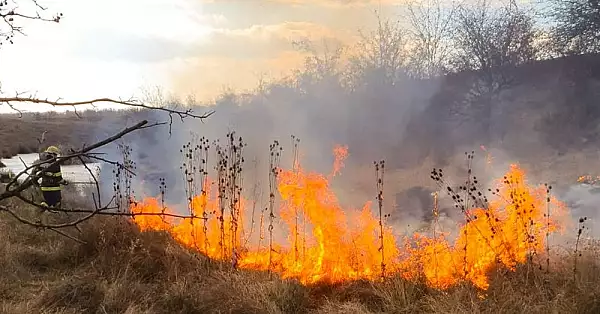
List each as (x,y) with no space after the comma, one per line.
(341,153)
(328,243)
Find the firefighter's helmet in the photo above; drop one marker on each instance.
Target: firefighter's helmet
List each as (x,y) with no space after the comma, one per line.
(52,150)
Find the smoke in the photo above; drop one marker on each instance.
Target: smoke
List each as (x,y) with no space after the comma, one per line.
(376,123)
(582,200)
(411,124)
(154,152)
(372,123)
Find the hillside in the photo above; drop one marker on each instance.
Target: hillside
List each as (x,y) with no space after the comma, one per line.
(550,106)
(19,135)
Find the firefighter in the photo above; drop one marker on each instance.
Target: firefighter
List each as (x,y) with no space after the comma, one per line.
(51,178)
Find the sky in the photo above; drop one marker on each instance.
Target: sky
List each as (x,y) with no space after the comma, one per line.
(117,48)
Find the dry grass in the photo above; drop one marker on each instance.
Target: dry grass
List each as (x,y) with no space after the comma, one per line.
(123,270)
(20,134)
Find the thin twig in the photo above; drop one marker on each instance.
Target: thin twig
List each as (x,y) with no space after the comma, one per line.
(130,103)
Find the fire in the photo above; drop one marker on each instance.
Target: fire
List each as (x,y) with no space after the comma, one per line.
(192,232)
(588,179)
(340,153)
(488,157)
(327,243)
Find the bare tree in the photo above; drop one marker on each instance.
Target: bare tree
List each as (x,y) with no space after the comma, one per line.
(321,65)
(431,36)
(381,56)
(19,185)
(489,41)
(577,28)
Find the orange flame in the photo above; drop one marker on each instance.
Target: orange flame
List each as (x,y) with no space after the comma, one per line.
(340,153)
(488,157)
(327,243)
(588,179)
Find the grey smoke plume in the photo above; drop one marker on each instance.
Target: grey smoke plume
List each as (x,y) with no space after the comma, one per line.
(371,123)
(406,124)
(583,200)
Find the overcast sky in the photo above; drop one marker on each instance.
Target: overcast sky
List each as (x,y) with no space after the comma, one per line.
(115,47)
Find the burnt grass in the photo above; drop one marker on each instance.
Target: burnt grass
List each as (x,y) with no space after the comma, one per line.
(120,269)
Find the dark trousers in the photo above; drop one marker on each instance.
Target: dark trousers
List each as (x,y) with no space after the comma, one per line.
(52,198)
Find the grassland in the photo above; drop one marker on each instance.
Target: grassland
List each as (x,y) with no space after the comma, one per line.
(19,134)
(122,270)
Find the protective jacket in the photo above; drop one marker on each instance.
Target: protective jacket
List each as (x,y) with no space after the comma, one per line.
(51,175)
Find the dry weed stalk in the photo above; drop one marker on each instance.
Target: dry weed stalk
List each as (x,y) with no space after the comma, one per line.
(195,175)
(163,191)
(261,234)
(462,198)
(436,213)
(229,177)
(548,189)
(275,151)
(261,226)
(580,228)
(468,196)
(234,185)
(188,168)
(467,190)
(203,176)
(123,175)
(380,170)
(295,169)
(221,167)
(517,199)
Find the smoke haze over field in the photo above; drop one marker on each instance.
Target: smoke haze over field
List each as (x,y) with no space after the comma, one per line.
(320,120)
(469,106)
(406,124)
(374,97)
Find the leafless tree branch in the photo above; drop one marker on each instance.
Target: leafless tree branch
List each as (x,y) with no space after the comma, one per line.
(132,103)
(382,54)
(15,190)
(30,180)
(431,32)
(10,15)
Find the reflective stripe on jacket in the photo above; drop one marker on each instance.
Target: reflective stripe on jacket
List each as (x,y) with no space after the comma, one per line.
(51,175)
(50,188)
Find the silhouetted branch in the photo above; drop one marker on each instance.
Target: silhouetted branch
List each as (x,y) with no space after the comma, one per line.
(129,103)
(30,180)
(11,14)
